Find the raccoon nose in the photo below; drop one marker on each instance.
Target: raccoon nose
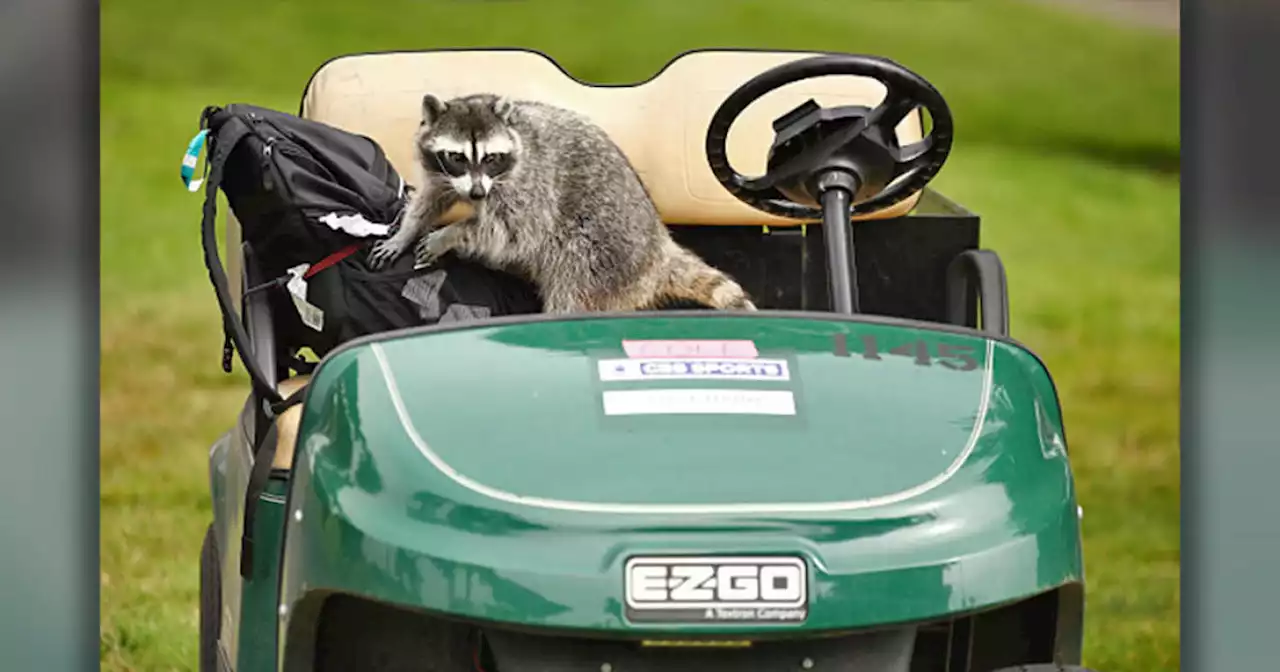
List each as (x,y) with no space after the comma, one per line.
(477,192)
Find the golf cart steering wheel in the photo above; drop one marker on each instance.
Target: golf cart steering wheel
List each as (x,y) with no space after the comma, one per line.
(854,148)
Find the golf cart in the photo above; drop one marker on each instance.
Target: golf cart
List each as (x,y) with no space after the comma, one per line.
(867,474)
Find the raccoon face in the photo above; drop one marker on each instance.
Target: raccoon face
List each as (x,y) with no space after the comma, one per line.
(471,165)
(468,144)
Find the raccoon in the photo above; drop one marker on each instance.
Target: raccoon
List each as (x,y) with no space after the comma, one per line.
(552,199)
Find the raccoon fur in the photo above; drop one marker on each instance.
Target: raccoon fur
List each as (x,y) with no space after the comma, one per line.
(552,199)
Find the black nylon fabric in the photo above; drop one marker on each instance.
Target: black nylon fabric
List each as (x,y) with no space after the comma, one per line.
(360,301)
(283,176)
(288,173)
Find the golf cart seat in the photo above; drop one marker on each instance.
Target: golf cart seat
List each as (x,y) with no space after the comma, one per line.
(661,124)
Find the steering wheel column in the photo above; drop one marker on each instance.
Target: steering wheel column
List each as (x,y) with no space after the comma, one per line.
(835,190)
(834,163)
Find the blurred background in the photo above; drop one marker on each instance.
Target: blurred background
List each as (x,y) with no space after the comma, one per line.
(1067,145)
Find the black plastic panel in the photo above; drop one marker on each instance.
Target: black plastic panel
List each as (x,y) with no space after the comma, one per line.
(340,633)
(879,651)
(901,263)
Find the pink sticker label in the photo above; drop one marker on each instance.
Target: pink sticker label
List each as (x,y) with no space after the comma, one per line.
(690,349)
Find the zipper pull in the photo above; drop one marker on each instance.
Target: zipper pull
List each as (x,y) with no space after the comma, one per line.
(268,184)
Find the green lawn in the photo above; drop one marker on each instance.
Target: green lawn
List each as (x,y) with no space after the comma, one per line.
(1067,145)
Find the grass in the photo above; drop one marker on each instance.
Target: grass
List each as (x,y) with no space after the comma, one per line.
(1067,145)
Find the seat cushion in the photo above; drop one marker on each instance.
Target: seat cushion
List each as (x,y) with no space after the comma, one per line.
(661,124)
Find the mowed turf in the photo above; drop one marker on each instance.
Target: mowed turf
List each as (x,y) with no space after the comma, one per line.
(1067,145)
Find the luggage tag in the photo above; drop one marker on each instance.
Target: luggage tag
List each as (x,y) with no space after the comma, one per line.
(191,158)
(311,316)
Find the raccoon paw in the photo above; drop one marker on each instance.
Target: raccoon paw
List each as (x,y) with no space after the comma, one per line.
(384,252)
(433,246)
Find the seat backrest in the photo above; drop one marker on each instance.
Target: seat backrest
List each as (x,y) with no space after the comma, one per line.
(660,123)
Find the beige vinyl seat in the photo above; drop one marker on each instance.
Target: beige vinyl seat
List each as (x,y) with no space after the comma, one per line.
(660,123)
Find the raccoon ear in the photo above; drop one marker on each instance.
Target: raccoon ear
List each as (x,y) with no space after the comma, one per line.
(432,108)
(503,107)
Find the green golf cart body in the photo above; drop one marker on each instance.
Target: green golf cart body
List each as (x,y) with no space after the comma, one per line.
(793,488)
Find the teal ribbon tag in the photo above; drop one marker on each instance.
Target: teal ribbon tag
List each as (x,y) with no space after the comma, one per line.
(191,158)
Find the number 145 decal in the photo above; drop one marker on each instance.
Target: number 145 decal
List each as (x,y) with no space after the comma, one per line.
(923,353)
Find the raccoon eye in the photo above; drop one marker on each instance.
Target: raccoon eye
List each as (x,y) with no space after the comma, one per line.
(496,163)
(452,162)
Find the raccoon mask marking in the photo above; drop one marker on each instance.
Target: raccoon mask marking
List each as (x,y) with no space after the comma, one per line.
(467,151)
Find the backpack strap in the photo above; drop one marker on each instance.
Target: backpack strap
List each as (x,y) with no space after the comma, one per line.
(229,133)
(291,400)
(321,265)
(258,476)
(331,260)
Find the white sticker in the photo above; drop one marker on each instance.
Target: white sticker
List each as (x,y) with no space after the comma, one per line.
(355,225)
(311,316)
(612,370)
(699,402)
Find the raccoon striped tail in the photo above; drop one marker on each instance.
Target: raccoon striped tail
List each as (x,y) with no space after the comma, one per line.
(693,280)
